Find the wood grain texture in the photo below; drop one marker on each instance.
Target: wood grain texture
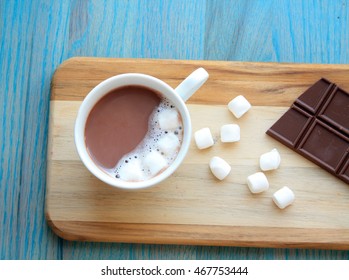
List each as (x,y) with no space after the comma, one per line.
(36,36)
(283,31)
(192,207)
(29,55)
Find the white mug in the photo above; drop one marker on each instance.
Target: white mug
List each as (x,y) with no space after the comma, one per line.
(178,97)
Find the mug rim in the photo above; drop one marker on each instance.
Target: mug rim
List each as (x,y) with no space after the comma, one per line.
(100,91)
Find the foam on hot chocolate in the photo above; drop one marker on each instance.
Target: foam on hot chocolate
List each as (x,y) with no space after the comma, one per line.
(158,149)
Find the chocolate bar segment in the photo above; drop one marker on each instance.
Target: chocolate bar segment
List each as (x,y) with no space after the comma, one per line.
(314,97)
(324,145)
(297,121)
(317,127)
(336,109)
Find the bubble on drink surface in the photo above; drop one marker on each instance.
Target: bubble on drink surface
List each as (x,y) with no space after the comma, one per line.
(158,149)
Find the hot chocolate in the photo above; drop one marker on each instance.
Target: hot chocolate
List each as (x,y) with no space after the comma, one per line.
(133,133)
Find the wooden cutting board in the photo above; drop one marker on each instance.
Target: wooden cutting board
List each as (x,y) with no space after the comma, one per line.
(192,207)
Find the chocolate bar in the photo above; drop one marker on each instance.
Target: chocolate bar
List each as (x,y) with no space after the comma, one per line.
(317,127)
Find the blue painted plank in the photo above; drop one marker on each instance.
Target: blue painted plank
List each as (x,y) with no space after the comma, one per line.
(29,56)
(12,108)
(312,31)
(142,29)
(49,25)
(239,30)
(109,251)
(277,31)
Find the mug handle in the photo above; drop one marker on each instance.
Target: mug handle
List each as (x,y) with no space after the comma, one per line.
(192,83)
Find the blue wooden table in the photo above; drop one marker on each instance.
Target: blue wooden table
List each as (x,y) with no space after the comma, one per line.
(37,35)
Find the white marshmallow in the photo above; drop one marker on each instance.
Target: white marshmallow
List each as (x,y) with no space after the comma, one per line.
(169,119)
(230,133)
(155,162)
(257,182)
(270,160)
(131,171)
(219,167)
(169,144)
(239,106)
(283,197)
(203,138)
